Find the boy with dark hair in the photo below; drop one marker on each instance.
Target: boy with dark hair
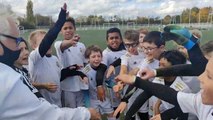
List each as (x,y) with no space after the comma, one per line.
(70,52)
(115,49)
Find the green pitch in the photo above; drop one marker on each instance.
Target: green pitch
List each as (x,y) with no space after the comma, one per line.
(98,37)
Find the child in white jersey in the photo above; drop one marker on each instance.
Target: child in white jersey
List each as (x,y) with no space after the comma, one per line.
(19,67)
(115,49)
(44,68)
(167,59)
(70,51)
(94,55)
(147,61)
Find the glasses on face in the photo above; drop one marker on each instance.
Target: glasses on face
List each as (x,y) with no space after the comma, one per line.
(133,45)
(149,49)
(17,40)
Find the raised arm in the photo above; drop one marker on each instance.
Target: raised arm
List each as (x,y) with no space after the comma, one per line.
(52,34)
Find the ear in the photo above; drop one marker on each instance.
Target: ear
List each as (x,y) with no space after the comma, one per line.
(163,48)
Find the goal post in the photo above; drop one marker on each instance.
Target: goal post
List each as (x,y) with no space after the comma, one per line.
(110,25)
(130,25)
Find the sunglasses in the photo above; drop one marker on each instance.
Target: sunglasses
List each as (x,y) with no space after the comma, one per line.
(17,39)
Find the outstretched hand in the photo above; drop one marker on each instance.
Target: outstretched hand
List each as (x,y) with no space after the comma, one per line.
(128,79)
(110,71)
(120,108)
(147,73)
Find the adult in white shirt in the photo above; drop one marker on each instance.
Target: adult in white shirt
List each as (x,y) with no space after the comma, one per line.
(17,102)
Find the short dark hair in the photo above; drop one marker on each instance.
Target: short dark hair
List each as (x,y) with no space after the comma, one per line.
(112,30)
(70,19)
(174,57)
(154,37)
(92,48)
(207,47)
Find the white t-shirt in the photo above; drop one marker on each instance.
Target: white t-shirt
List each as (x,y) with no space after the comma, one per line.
(72,55)
(131,61)
(192,103)
(177,85)
(144,63)
(109,57)
(46,70)
(17,102)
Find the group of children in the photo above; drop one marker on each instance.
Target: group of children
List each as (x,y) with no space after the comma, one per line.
(78,76)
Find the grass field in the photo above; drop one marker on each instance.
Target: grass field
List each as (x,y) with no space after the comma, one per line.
(98,37)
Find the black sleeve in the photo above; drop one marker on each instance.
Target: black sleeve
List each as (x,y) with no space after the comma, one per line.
(174,113)
(197,58)
(100,74)
(116,62)
(67,72)
(52,34)
(195,69)
(139,101)
(163,92)
(178,70)
(129,92)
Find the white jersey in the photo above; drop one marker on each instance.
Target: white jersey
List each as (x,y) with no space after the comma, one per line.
(26,81)
(131,61)
(177,85)
(46,70)
(145,63)
(72,55)
(26,105)
(192,82)
(105,106)
(109,57)
(91,74)
(192,103)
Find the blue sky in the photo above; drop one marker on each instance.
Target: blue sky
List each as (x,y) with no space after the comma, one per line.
(107,8)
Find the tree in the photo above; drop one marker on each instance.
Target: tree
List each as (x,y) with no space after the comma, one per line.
(30,16)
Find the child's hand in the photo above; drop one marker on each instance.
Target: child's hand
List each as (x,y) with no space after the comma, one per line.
(64,6)
(156,117)
(120,108)
(76,37)
(118,87)
(110,71)
(52,87)
(85,80)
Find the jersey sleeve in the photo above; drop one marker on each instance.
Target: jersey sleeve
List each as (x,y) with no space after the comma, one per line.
(188,102)
(34,57)
(124,59)
(105,58)
(57,47)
